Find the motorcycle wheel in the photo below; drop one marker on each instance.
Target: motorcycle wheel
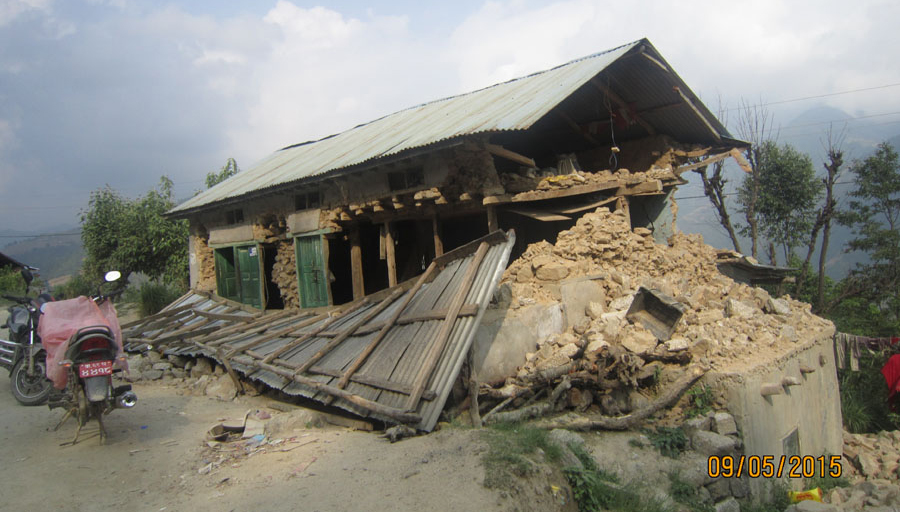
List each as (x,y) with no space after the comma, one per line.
(32,390)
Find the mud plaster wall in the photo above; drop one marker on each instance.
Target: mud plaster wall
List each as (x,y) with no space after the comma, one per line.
(813,408)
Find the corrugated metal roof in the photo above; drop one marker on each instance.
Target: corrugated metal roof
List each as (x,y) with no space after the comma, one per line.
(512,105)
(307,355)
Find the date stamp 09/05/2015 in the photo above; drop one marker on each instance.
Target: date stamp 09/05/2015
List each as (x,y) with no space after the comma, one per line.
(768,466)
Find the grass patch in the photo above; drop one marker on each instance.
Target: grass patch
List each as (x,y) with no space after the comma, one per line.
(670,441)
(153,296)
(826,483)
(700,401)
(595,491)
(511,447)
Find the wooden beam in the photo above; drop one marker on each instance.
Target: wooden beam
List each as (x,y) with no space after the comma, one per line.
(390,412)
(276,334)
(390,253)
(423,316)
(696,110)
(260,324)
(537,195)
(356,270)
(226,317)
(436,230)
(512,156)
(644,187)
(331,345)
(628,112)
(440,341)
(387,327)
(577,129)
(308,335)
(741,161)
(703,163)
(368,380)
(492,223)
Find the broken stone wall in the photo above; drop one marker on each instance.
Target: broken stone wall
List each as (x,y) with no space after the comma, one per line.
(284,274)
(205,264)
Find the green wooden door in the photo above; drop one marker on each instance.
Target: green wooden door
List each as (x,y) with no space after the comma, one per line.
(311,271)
(226,275)
(248,265)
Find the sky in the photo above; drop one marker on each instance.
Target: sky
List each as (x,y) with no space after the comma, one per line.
(120,92)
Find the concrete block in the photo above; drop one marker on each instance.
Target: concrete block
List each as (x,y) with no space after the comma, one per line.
(577,295)
(505,336)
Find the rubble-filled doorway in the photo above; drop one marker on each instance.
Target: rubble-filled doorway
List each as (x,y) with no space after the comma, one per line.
(311,271)
(339,268)
(272,298)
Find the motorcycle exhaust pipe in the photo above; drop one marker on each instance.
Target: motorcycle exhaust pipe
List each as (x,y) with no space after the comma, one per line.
(126,400)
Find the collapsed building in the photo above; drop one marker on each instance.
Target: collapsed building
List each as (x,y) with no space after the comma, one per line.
(381,247)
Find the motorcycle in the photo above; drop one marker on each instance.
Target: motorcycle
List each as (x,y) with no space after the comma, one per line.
(23,354)
(83,344)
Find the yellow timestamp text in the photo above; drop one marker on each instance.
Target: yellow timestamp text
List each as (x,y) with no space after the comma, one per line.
(768,466)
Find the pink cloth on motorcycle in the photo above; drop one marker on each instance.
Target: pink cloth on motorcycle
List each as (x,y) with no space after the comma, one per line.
(62,319)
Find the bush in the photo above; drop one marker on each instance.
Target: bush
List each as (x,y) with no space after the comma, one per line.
(154,296)
(11,281)
(77,286)
(864,395)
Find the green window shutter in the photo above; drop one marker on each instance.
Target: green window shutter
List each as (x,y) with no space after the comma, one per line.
(226,275)
(248,262)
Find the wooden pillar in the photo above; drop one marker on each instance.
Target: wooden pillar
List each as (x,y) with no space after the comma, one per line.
(493,225)
(390,253)
(356,270)
(438,242)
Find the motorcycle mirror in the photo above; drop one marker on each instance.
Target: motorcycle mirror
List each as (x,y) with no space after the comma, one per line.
(112,275)
(44,307)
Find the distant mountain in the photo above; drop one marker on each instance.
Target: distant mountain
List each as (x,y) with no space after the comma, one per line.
(57,254)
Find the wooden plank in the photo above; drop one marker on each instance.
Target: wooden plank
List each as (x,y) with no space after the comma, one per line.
(644,187)
(539,215)
(390,253)
(387,327)
(437,346)
(390,412)
(703,163)
(438,242)
(368,380)
(227,317)
(259,324)
(275,334)
(589,206)
(356,270)
(434,314)
(622,204)
(538,195)
(349,332)
(512,156)
(308,335)
(623,105)
(181,337)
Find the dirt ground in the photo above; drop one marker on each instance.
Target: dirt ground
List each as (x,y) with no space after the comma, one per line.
(156,458)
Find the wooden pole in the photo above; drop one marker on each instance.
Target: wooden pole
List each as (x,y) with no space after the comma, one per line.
(493,225)
(359,288)
(438,243)
(390,253)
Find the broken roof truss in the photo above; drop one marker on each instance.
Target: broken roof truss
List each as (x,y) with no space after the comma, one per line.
(393,356)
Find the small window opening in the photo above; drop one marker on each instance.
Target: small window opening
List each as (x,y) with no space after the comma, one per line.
(234,216)
(403,180)
(307,201)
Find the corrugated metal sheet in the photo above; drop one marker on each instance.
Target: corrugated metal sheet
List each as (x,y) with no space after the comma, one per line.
(388,376)
(512,105)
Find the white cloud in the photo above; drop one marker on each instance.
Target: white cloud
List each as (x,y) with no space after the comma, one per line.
(12,9)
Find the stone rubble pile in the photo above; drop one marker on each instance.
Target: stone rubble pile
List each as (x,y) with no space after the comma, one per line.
(873,456)
(200,376)
(726,325)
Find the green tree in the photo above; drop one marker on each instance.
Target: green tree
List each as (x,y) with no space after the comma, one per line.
(873,213)
(784,193)
(228,170)
(134,236)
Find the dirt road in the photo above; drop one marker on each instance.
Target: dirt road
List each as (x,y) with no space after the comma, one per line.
(156,459)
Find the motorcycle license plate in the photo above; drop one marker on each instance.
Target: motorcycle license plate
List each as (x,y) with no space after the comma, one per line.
(95,369)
